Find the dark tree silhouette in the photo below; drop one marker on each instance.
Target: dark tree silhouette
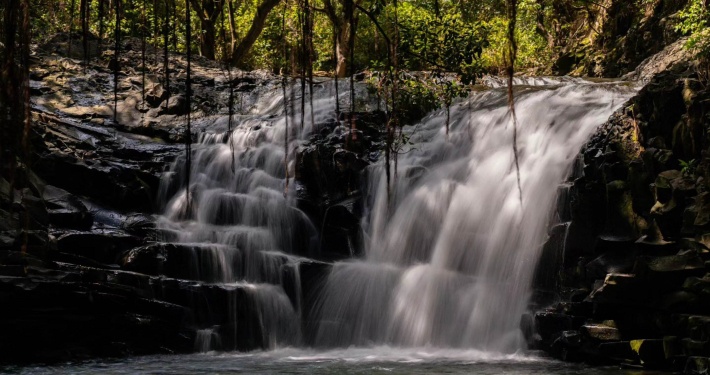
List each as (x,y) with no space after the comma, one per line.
(208,12)
(242,49)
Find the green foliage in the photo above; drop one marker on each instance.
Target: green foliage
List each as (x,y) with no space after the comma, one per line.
(695,22)
(412,95)
(533,50)
(417,94)
(688,168)
(443,42)
(465,37)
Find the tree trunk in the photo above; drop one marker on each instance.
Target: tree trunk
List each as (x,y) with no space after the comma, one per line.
(101,20)
(242,50)
(344,26)
(25,61)
(232,28)
(84,13)
(208,12)
(342,50)
(207,41)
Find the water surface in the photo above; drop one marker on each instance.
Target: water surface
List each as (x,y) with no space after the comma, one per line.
(379,360)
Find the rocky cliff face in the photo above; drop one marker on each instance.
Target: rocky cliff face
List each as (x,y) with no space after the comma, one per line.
(631,264)
(610,38)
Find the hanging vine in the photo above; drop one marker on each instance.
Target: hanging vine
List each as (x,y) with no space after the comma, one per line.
(284,83)
(511,54)
(71,25)
(116,55)
(188,97)
(335,74)
(310,55)
(227,70)
(143,67)
(350,11)
(101,20)
(302,61)
(166,43)
(393,120)
(84,16)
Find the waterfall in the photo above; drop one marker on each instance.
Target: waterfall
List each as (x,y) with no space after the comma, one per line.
(242,230)
(452,252)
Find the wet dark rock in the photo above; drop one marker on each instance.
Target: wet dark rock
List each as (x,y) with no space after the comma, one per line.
(119,185)
(550,324)
(72,319)
(551,258)
(651,352)
(622,289)
(139,225)
(610,263)
(567,346)
(640,228)
(329,166)
(66,210)
(341,232)
(679,301)
(102,246)
(35,242)
(619,351)
(669,272)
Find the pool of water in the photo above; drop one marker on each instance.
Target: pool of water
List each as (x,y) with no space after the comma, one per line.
(379,360)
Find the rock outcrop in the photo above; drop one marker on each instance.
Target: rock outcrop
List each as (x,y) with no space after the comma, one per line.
(634,265)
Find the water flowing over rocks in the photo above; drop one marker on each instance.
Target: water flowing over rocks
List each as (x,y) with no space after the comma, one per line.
(289,237)
(102,275)
(632,285)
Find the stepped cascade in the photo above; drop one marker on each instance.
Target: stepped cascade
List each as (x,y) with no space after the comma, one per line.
(450,250)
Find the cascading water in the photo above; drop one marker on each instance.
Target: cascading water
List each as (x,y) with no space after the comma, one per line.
(452,249)
(241,227)
(451,252)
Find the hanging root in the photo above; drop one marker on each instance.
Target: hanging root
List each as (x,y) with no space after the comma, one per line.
(511,6)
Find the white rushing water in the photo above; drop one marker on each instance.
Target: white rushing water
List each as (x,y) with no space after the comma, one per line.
(451,252)
(241,225)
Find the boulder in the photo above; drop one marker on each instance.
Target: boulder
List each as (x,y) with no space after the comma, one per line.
(669,272)
(610,262)
(567,346)
(623,289)
(341,232)
(66,210)
(176,105)
(156,94)
(619,351)
(601,332)
(550,324)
